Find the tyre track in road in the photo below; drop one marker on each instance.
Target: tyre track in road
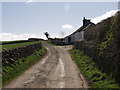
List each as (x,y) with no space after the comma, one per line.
(56,70)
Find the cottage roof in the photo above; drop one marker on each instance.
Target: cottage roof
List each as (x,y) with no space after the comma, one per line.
(91,24)
(82,28)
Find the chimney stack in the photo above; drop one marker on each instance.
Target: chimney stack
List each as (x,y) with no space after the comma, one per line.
(86,22)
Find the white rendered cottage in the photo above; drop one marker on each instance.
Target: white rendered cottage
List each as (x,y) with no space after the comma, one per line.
(78,35)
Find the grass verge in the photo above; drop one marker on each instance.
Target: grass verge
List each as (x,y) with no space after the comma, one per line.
(95,77)
(11,72)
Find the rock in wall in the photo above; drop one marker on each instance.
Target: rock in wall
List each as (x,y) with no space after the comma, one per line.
(9,56)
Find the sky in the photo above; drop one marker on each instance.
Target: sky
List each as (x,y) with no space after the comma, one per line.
(23,20)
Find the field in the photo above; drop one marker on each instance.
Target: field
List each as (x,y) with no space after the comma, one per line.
(13,41)
(16,45)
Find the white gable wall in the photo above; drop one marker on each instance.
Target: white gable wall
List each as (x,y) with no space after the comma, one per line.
(78,36)
(72,38)
(66,40)
(82,35)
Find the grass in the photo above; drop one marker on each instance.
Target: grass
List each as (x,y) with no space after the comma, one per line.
(16,45)
(11,72)
(13,41)
(95,77)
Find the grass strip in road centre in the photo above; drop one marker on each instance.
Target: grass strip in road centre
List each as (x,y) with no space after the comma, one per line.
(95,77)
(11,72)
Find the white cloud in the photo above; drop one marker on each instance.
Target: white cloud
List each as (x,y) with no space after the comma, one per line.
(104,16)
(29,1)
(67,7)
(53,35)
(67,26)
(11,36)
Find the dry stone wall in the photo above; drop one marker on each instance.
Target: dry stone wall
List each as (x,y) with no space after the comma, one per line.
(10,56)
(104,52)
(109,62)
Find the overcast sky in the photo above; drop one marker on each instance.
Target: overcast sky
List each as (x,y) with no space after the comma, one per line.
(21,20)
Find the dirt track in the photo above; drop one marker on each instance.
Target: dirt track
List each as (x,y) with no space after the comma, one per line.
(56,70)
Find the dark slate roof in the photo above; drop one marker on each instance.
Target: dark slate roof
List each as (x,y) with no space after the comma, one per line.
(91,24)
(79,29)
(82,28)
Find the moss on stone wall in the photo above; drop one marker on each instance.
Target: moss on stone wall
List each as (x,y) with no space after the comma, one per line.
(109,36)
(106,52)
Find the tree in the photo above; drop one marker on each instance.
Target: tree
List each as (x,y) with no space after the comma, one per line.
(62,33)
(47,35)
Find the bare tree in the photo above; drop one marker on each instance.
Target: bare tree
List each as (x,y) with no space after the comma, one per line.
(62,33)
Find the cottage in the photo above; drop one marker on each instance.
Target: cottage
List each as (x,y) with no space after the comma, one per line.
(78,35)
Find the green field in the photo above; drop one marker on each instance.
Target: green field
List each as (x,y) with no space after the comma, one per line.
(16,45)
(13,41)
